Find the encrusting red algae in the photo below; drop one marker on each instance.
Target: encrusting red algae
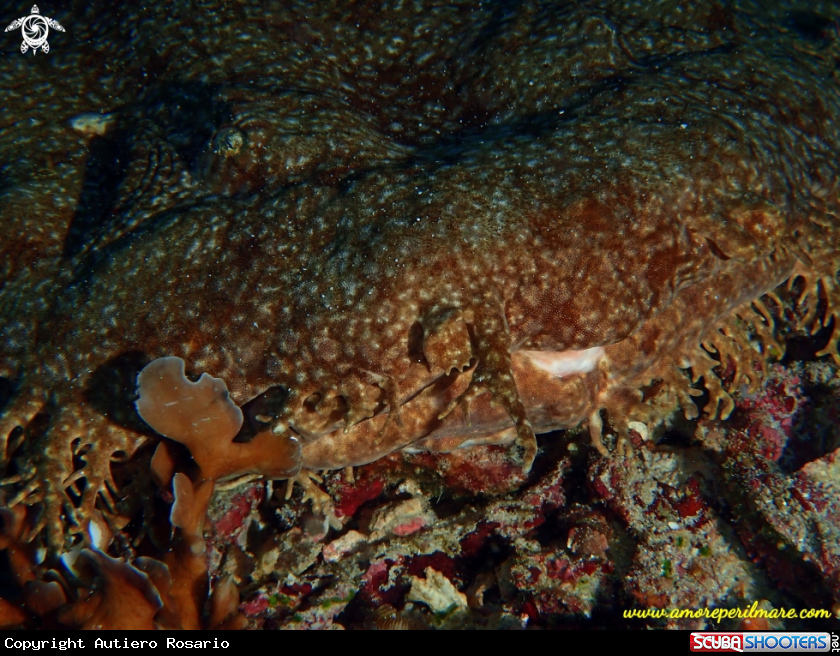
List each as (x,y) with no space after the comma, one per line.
(395,229)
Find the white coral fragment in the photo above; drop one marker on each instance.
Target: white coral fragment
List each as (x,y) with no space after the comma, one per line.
(437,592)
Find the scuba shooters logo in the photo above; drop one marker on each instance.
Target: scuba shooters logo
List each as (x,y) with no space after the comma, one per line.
(35,30)
(783,641)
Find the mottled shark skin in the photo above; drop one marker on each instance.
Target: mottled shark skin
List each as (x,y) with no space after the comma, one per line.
(395,225)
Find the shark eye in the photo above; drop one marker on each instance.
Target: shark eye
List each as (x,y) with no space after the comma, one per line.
(228,142)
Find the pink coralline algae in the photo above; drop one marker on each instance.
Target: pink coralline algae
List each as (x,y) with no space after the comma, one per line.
(349,496)
(770,414)
(787,510)
(241,506)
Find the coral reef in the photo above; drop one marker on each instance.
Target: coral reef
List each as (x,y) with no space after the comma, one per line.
(399,243)
(705,514)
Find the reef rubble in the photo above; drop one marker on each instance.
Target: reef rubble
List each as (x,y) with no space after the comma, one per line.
(704,516)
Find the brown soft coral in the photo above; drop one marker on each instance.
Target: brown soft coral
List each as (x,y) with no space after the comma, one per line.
(202,417)
(121,597)
(43,592)
(186,561)
(149,593)
(13,540)
(98,591)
